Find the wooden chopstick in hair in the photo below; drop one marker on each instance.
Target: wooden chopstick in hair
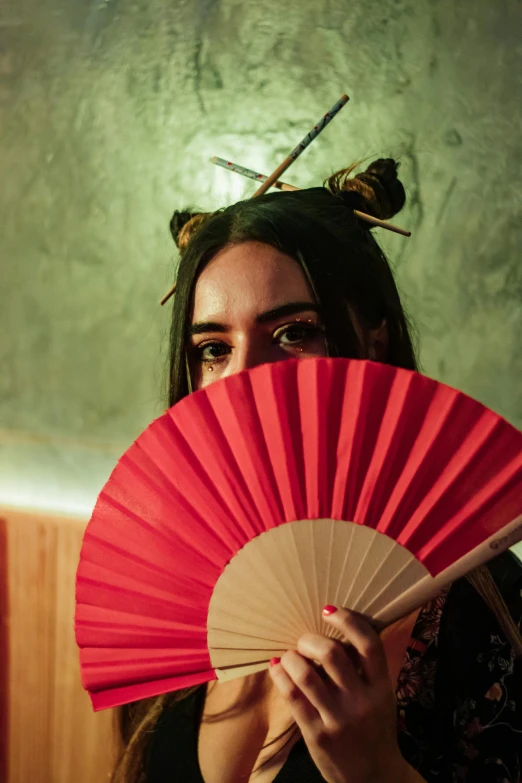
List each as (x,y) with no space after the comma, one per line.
(313,134)
(381,223)
(237,169)
(168,295)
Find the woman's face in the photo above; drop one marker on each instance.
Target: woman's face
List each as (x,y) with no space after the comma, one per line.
(252,305)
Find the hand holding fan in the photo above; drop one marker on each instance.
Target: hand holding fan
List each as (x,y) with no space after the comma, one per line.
(244,509)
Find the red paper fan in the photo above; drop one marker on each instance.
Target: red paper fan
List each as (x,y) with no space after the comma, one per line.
(249,505)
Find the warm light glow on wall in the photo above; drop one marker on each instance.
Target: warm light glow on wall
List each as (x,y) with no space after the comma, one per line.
(54,478)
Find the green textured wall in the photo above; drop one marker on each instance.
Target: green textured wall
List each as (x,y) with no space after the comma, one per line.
(110,110)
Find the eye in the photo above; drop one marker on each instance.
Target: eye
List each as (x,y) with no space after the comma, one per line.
(211,351)
(297,333)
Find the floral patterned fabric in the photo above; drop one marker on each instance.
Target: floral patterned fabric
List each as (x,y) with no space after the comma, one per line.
(459,693)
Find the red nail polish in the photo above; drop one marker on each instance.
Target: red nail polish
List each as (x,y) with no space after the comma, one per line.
(328,609)
(273,661)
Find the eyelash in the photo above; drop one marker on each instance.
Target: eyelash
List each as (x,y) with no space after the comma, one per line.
(310,330)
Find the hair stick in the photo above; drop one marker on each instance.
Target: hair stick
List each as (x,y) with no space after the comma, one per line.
(303,144)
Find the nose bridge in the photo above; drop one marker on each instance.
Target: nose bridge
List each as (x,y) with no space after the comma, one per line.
(249,353)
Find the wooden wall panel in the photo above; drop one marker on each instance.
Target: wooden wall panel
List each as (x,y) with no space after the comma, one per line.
(4,693)
(54,736)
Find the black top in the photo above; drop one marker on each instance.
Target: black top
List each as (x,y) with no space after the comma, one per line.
(174,753)
(459,699)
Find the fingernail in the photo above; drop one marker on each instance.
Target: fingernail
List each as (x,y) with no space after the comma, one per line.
(274,661)
(329,609)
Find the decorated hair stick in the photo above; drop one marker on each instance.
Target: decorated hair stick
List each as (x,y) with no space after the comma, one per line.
(285,186)
(316,130)
(226,164)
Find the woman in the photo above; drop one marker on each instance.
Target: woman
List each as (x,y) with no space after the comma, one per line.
(297,275)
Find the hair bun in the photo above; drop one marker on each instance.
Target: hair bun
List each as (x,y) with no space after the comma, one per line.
(379,190)
(179,219)
(183,225)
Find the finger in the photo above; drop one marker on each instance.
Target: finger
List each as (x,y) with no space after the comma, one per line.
(333,657)
(358,632)
(303,712)
(310,683)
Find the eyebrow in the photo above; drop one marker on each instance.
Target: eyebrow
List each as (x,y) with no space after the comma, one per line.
(292,308)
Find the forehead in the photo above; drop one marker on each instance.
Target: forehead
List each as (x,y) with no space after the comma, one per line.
(246,279)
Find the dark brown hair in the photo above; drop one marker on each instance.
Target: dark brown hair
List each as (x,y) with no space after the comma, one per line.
(354,285)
